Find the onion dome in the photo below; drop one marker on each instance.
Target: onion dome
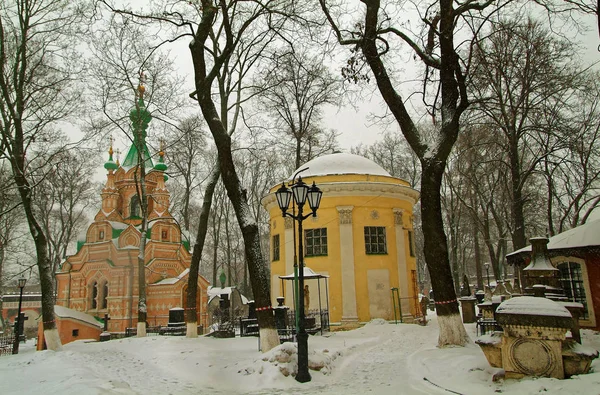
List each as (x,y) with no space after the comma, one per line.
(140,118)
(161,166)
(110,164)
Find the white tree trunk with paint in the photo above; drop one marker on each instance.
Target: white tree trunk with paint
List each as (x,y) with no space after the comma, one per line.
(452,331)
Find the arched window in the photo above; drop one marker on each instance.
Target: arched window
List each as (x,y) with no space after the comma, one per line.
(134,206)
(94,301)
(571,280)
(104,304)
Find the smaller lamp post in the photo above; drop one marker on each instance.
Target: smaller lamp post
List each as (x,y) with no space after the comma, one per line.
(487,270)
(18,323)
(301,193)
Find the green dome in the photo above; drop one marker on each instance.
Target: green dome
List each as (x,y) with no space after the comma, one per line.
(111,165)
(161,166)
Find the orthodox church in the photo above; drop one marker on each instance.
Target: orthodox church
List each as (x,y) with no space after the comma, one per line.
(361,239)
(102,276)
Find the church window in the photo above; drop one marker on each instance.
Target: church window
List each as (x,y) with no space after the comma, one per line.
(75,332)
(571,280)
(104,304)
(164,234)
(316,242)
(134,207)
(94,301)
(375,240)
(101,235)
(275,247)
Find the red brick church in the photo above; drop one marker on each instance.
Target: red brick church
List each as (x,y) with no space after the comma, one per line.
(101,278)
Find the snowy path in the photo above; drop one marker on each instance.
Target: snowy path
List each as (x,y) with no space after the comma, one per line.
(379,358)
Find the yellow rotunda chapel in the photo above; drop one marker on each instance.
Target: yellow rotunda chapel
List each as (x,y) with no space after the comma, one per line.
(362,238)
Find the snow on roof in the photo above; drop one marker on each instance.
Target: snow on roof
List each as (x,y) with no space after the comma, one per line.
(341,163)
(530,305)
(308,274)
(172,280)
(118,225)
(216,291)
(586,235)
(64,312)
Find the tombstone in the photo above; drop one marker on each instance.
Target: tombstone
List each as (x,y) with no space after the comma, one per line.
(280,313)
(251,309)
(533,341)
(465,289)
(500,289)
(467,305)
(488,293)
(176,317)
(480,295)
(105,335)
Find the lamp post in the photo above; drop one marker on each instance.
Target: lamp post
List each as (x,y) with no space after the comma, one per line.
(487,270)
(18,323)
(301,193)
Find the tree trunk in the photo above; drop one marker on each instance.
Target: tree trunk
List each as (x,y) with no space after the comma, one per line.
(452,331)
(191,313)
(259,274)
(41,243)
(477,257)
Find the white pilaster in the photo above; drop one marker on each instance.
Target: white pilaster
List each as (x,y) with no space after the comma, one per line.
(401,260)
(349,311)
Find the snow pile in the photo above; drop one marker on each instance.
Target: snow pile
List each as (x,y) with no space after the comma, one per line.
(530,305)
(284,360)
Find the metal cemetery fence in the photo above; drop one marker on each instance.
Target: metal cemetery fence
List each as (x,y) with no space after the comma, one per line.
(6,344)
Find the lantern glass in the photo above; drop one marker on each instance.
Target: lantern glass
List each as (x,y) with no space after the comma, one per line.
(300,190)
(283,196)
(22,282)
(314,197)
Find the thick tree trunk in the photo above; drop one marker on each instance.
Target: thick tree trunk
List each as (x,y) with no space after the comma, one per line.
(192,309)
(518,233)
(259,276)
(452,331)
(41,244)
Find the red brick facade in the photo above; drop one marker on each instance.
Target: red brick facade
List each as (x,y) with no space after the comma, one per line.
(102,276)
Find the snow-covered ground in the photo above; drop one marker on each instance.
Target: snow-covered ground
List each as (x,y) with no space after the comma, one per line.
(380,358)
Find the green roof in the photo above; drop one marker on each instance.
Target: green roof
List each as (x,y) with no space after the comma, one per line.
(140,118)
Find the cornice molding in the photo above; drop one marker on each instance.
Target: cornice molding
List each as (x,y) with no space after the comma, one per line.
(347,189)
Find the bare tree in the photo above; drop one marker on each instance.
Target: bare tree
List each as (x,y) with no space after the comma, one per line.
(393,154)
(522,71)
(11,217)
(186,147)
(294,88)
(37,88)
(376,31)
(65,195)
(217,31)
(572,174)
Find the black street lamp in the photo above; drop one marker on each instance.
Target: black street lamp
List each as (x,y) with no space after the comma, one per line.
(301,193)
(487,270)
(18,323)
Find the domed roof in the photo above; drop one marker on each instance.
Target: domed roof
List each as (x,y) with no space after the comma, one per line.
(341,163)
